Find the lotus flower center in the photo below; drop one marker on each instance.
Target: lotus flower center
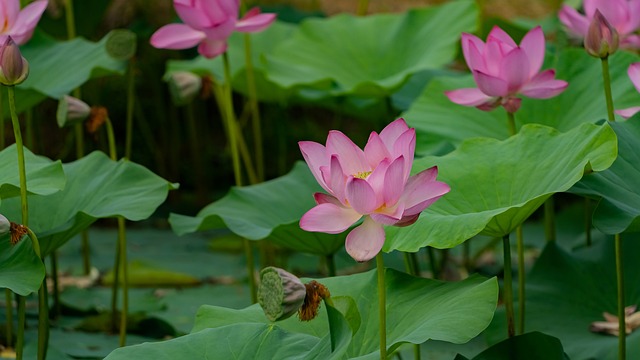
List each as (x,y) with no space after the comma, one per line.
(362,174)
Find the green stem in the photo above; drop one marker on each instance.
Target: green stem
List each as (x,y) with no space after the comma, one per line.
(8,296)
(466,255)
(382,306)
(622,334)
(43,305)
(607,88)
(508,287)
(549,220)
(56,286)
(122,241)
(70,19)
(331,265)
(130,108)
(21,324)
(363,7)
(256,121)
(114,289)
(432,262)
(587,220)
(86,252)
(233,131)
(111,139)
(412,267)
(28,125)
(521,279)
(511,122)
(20,149)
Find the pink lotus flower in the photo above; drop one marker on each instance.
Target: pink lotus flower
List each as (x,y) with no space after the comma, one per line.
(634,75)
(623,15)
(208,24)
(19,24)
(373,183)
(503,70)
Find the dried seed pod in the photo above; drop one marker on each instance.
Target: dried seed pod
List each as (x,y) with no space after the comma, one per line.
(280,294)
(316,292)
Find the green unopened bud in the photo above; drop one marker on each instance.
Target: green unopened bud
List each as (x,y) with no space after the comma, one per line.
(280,294)
(14,68)
(5,225)
(184,86)
(71,111)
(602,38)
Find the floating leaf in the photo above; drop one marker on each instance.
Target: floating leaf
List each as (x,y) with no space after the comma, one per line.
(21,270)
(497,185)
(372,55)
(438,120)
(143,274)
(244,341)
(268,210)
(530,346)
(566,292)
(97,187)
(418,309)
(44,177)
(619,209)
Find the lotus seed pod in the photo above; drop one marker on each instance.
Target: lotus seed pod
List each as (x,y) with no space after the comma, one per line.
(5,225)
(280,294)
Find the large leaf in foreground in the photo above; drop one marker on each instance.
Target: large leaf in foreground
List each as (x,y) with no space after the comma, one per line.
(619,209)
(268,210)
(58,67)
(262,44)
(372,55)
(529,346)
(97,187)
(566,292)
(245,341)
(496,185)
(418,309)
(44,176)
(20,268)
(437,119)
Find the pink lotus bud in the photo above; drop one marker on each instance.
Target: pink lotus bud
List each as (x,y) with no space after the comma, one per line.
(602,38)
(14,68)
(71,111)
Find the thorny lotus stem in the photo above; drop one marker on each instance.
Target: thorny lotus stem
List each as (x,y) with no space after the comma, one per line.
(56,286)
(130,108)
(331,265)
(43,305)
(382,306)
(607,88)
(432,262)
(363,7)
(521,281)
(21,323)
(233,130)
(111,139)
(256,121)
(511,122)
(86,252)
(122,241)
(508,286)
(549,220)
(587,220)
(114,289)
(622,333)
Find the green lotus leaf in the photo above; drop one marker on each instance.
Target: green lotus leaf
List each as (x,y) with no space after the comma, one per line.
(496,185)
(262,43)
(44,177)
(144,274)
(97,187)
(438,120)
(619,209)
(530,346)
(418,309)
(21,270)
(372,55)
(269,210)
(58,67)
(567,291)
(245,341)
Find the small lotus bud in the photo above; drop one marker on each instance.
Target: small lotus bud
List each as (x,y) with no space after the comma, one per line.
(184,86)
(5,225)
(280,294)
(602,38)
(71,111)
(14,69)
